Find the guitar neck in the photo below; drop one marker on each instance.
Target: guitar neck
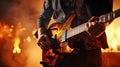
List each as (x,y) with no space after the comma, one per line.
(75,31)
(109,16)
(102,19)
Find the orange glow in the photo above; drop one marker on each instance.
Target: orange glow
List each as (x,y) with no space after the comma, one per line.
(16,45)
(28,39)
(19,29)
(5,31)
(113,38)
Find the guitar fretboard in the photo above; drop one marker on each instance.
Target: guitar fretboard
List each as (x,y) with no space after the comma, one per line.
(102,19)
(109,16)
(76,30)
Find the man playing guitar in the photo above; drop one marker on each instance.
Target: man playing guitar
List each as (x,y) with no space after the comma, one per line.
(76,44)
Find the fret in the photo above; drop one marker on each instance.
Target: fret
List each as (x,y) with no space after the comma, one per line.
(117,13)
(109,16)
(113,15)
(106,17)
(102,19)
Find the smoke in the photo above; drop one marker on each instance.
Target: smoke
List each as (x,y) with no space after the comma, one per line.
(22,14)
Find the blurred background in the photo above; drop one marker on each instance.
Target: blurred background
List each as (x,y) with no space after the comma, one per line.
(18,48)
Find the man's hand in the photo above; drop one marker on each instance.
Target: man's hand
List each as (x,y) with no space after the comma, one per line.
(94,28)
(43,40)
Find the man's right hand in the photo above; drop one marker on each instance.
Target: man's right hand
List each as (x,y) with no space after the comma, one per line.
(43,40)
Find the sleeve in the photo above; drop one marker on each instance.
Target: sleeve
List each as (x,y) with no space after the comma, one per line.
(46,14)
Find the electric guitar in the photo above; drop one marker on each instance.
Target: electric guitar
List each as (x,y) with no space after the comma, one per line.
(60,33)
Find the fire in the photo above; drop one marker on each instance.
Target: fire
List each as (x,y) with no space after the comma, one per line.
(113,38)
(28,39)
(16,45)
(18,31)
(5,31)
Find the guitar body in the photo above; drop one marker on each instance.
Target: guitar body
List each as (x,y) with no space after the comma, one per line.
(54,55)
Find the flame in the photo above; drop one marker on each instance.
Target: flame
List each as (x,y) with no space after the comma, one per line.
(19,29)
(28,39)
(16,45)
(5,31)
(113,38)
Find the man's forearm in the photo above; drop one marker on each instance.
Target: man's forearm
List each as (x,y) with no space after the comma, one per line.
(41,30)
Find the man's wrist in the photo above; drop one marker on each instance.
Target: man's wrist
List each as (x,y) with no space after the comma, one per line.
(41,31)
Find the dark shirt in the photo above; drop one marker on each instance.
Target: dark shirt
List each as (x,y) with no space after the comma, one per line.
(61,9)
